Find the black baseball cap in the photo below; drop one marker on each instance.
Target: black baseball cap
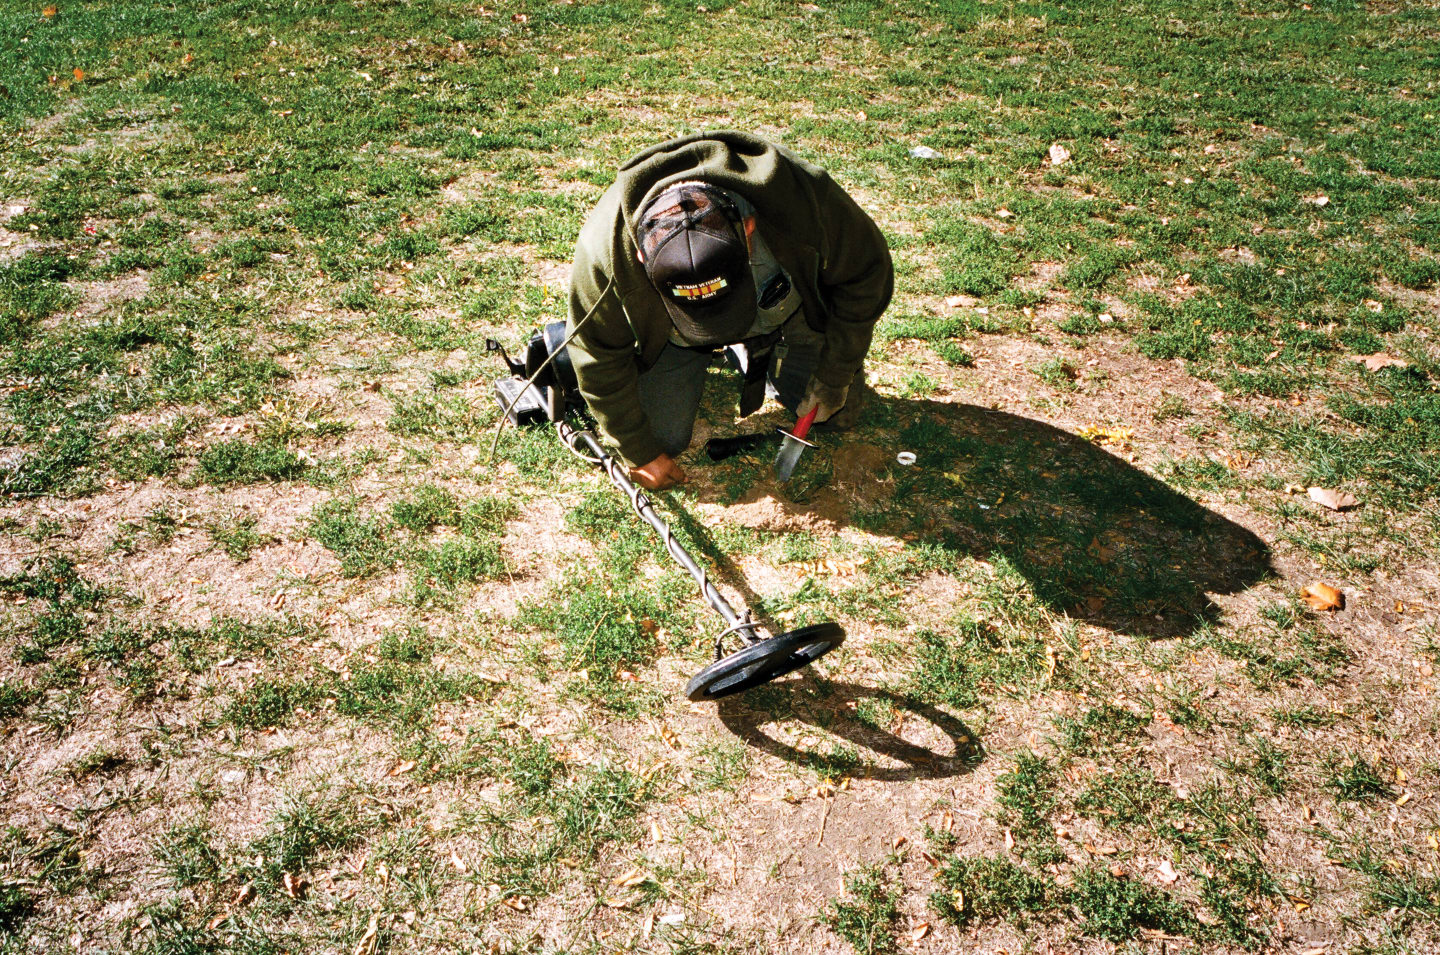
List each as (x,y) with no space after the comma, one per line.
(692,241)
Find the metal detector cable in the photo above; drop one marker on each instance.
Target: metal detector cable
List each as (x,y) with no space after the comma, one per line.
(641,502)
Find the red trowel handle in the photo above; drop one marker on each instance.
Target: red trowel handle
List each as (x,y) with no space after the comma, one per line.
(802,427)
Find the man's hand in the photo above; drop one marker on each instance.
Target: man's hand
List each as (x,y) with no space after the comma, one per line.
(659,474)
(827,399)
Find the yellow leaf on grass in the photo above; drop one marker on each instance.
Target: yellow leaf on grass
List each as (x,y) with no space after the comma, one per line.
(919,931)
(1323,597)
(1335,500)
(79,74)
(1103,435)
(49,12)
(626,902)
(629,879)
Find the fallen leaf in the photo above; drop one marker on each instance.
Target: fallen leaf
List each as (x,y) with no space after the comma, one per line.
(629,879)
(1404,798)
(1118,871)
(1335,500)
(919,931)
(1317,201)
(49,12)
(1166,872)
(79,74)
(294,885)
(1059,155)
(626,902)
(1004,213)
(1103,435)
(1009,841)
(244,896)
(401,768)
(1100,850)
(1380,360)
(1323,597)
(367,941)
(809,8)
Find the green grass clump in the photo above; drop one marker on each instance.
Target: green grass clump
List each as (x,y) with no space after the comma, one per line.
(971,659)
(430,506)
(198,648)
(32,287)
(1117,908)
(401,691)
(1027,794)
(1099,729)
(186,855)
(245,462)
(307,827)
(461,560)
(1357,780)
(365,545)
(71,603)
(15,906)
(981,888)
(270,701)
(1129,796)
(238,537)
(867,915)
(15,696)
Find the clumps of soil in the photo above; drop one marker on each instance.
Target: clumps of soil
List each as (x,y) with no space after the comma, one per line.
(858,479)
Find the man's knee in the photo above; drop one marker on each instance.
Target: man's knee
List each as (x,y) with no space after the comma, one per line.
(675,437)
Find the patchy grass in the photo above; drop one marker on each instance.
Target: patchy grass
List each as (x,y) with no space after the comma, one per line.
(255,542)
(866,916)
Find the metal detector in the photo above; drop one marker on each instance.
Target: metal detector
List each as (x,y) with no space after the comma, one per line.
(542,389)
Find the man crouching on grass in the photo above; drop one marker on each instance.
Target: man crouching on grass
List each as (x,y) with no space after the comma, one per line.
(721,241)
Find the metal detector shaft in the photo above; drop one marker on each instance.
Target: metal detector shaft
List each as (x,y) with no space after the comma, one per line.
(592,450)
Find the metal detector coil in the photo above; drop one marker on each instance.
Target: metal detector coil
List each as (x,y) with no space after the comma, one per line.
(543,388)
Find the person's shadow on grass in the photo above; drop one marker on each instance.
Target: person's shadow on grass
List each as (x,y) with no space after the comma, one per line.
(1094,536)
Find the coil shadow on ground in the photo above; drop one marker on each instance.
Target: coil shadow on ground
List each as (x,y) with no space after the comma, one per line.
(833,707)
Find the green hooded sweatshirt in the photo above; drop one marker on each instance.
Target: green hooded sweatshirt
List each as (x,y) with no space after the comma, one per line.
(834,253)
